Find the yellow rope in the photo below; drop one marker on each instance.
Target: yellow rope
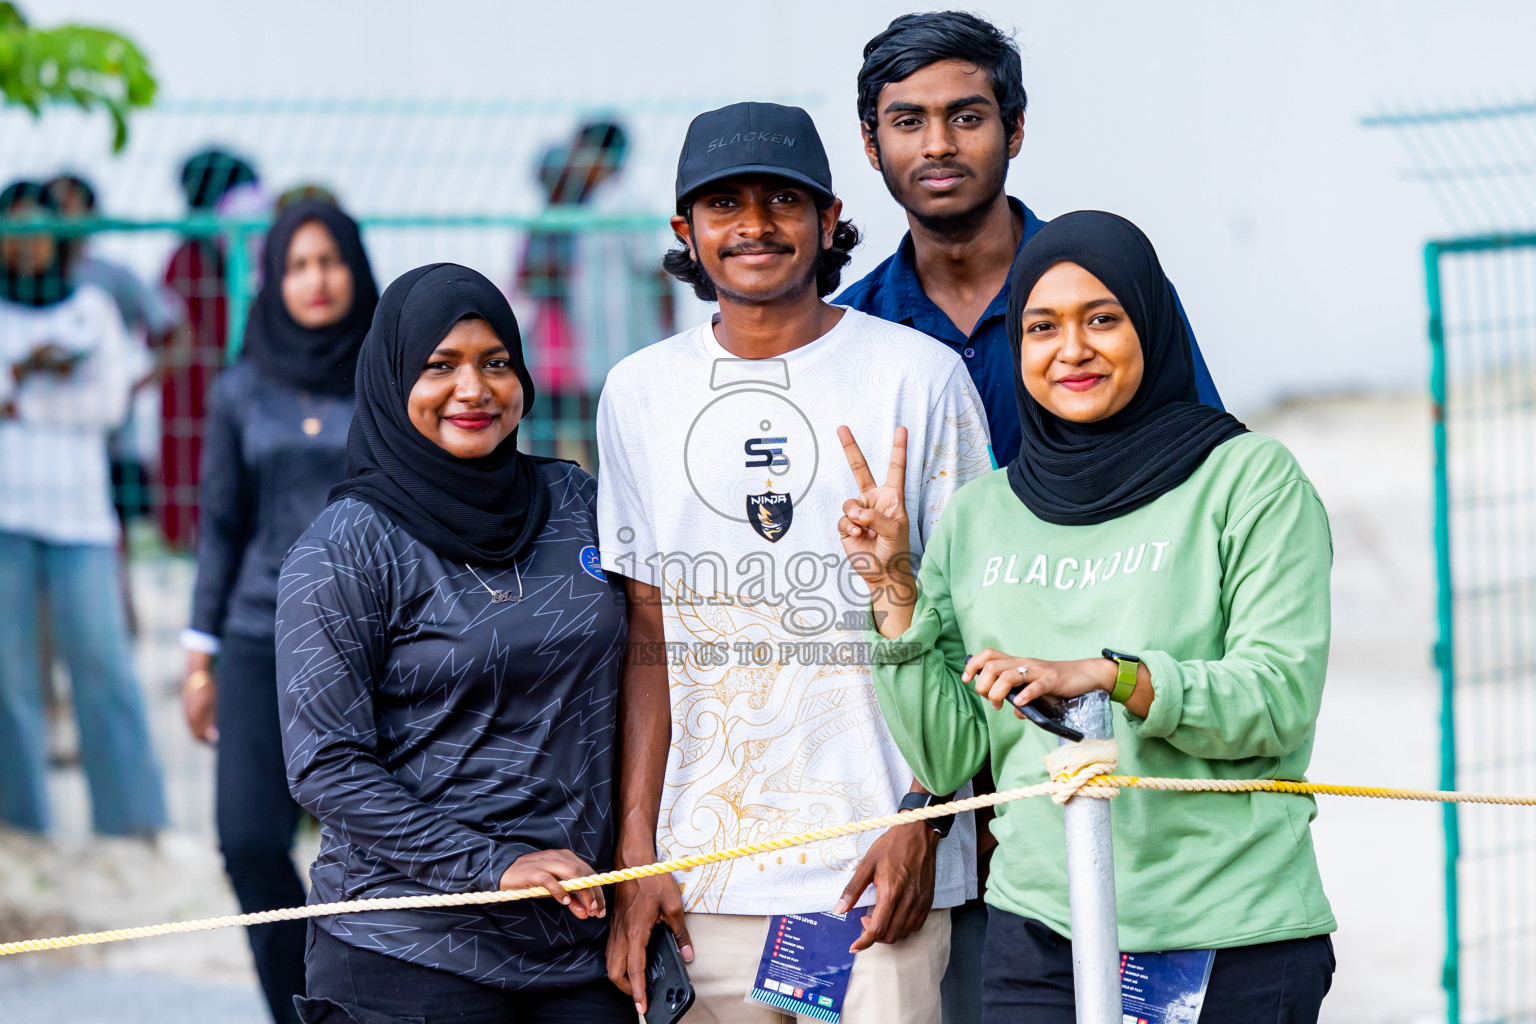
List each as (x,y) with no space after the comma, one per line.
(1103,786)
(1074,765)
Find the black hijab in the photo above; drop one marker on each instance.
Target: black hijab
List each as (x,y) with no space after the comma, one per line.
(1076,474)
(321,359)
(39,287)
(483,511)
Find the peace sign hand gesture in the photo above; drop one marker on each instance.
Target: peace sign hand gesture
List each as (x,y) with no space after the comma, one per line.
(874,525)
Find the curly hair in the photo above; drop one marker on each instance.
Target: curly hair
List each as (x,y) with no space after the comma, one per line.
(681,264)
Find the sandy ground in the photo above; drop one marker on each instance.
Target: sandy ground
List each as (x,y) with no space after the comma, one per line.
(1370,460)
(76,882)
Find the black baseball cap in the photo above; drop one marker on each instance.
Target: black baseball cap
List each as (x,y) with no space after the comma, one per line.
(753,138)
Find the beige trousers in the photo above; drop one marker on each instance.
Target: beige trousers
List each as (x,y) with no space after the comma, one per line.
(891,984)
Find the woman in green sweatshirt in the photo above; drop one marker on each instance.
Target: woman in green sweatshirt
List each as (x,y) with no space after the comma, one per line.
(1134,520)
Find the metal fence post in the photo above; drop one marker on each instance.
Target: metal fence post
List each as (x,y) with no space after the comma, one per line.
(1445,660)
(1091,883)
(238,284)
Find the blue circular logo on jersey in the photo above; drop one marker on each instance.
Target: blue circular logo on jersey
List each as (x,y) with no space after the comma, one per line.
(591,563)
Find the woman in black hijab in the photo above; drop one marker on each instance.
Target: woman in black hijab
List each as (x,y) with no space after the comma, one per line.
(449,654)
(1151,547)
(276,444)
(1073,471)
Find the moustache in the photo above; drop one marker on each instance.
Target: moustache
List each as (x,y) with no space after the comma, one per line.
(756,250)
(940,170)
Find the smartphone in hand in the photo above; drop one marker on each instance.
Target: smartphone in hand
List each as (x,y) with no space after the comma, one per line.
(1046,712)
(668,992)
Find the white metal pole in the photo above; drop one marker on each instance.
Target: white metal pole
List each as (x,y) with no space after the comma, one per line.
(1091,883)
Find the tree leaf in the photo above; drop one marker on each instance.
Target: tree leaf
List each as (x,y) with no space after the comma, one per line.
(76,65)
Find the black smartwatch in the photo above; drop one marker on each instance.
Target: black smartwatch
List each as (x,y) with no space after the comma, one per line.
(912,801)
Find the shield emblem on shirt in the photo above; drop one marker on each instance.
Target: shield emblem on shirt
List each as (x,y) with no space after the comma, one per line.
(770,515)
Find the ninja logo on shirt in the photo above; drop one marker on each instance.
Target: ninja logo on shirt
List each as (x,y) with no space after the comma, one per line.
(751,449)
(770,514)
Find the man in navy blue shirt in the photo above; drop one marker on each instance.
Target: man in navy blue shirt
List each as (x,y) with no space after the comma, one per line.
(941,104)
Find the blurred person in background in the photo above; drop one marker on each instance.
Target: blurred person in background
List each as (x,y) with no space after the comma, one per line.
(544,279)
(597,292)
(150,318)
(449,659)
(69,367)
(299,193)
(145,309)
(276,444)
(941,105)
(197,275)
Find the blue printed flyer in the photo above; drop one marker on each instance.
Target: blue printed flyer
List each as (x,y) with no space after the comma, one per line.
(1164,988)
(806,963)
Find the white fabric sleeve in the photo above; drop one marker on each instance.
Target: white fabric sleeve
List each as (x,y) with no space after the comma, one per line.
(957,446)
(626,538)
(199,642)
(97,393)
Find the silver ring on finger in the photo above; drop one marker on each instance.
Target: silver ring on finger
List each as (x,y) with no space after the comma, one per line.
(1023,671)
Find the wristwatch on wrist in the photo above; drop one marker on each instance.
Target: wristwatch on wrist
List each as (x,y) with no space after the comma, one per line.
(912,801)
(1126,666)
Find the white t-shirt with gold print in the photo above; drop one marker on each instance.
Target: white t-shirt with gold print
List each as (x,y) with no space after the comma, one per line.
(721,482)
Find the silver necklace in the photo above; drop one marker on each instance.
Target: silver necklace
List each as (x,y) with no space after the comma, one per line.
(499,596)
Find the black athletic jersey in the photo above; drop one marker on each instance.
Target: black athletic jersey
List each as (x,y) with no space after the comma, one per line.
(438,734)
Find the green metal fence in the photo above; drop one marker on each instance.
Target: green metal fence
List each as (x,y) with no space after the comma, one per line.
(492,184)
(1478,162)
(157,498)
(471,182)
(605,299)
(1482,300)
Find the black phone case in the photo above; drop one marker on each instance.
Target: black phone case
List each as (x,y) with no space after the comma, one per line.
(668,992)
(1047,713)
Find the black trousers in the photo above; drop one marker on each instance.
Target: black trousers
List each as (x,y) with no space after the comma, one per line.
(1028,978)
(257,817)
(358,986)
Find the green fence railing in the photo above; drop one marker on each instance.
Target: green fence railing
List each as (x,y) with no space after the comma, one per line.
(486,241)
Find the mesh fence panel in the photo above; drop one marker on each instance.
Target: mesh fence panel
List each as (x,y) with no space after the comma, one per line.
(1479,163)
(1487,299)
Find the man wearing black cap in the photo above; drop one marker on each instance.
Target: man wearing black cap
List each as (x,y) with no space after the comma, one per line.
(722,479)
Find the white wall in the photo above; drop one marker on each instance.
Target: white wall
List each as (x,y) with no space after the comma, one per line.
(1228,131)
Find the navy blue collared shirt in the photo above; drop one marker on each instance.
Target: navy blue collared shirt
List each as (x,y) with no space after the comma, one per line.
(892,292)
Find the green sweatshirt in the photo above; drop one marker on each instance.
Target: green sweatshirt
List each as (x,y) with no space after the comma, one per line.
(1221,586)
